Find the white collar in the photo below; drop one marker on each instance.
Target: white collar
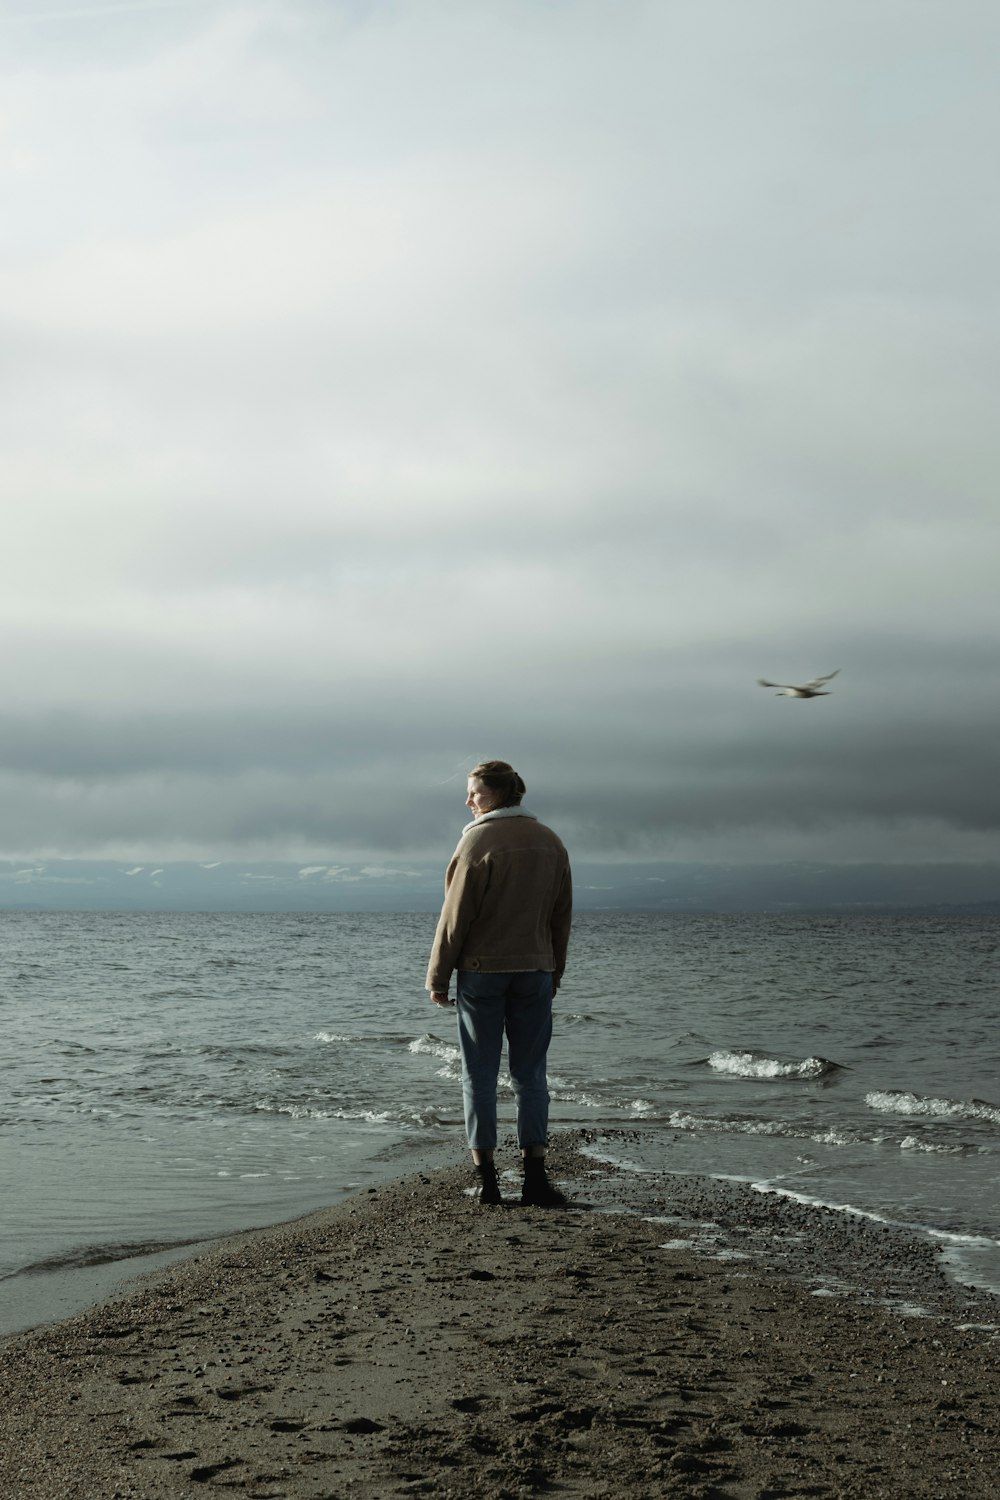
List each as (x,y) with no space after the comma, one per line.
(500,812)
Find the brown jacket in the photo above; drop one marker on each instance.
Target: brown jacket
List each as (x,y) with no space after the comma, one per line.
(508,900)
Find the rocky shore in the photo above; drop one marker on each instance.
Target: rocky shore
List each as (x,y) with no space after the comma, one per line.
(410,1341)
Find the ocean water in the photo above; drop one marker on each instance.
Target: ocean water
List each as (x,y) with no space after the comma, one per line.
(168,1077)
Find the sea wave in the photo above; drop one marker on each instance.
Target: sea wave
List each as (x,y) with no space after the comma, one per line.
(904,1102)
(635,1109)
(751,1064)
(313,1112)
(914,1143)
(83,1257)
(744,1125)
(578,1096)
(404,1115)
(432,1046)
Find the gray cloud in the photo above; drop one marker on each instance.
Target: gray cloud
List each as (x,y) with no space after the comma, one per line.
(673,754)
(385,390)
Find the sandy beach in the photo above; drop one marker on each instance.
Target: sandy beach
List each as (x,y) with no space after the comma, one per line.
(410,1341)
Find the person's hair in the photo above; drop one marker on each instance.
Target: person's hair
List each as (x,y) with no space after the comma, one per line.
(502,778)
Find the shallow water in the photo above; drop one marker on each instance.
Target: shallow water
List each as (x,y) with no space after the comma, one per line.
(174,1077)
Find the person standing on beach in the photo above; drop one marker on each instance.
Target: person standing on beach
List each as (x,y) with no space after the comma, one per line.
(504,929)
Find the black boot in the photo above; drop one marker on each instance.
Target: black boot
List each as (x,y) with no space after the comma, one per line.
(538,1191)
(489,1183)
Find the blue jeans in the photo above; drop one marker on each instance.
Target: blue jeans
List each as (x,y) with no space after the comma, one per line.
(488,1006)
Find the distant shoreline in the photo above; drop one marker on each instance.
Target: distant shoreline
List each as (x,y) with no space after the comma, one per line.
(415,887)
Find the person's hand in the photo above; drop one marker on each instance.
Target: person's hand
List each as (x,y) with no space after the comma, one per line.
(440,998)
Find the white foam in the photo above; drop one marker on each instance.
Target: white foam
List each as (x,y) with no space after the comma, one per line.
(759,1065)
(831,1137)
(575,1096)
(913,1143)
(973,1241)
(809,1200)
(432,1046)
(311,1112)
(960,1251)
(735,1125)
(904,1102)
(563,1092)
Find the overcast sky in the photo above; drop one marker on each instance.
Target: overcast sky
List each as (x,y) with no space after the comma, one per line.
(392,383)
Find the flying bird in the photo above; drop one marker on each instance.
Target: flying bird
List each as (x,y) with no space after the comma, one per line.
(813,689)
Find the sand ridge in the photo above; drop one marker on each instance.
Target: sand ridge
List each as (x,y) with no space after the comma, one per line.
(412,1342)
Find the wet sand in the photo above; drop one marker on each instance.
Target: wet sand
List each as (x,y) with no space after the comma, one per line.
(410,1341)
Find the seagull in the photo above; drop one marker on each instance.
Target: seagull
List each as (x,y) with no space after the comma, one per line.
(813,689)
